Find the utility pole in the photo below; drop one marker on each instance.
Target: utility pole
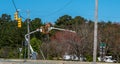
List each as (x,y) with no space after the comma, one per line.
(95,32)
(28,28)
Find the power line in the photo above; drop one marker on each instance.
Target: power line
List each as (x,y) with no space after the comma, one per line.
(16,9)
(58,10)
(14,5)
(62,7)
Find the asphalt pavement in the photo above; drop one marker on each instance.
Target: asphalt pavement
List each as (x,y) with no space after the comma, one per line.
(22,61)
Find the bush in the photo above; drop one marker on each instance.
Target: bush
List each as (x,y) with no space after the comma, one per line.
(89,58)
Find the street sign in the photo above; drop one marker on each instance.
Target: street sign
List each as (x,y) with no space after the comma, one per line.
(20,49)
(102,44)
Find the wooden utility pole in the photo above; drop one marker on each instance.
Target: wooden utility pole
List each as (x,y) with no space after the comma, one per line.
(28,28)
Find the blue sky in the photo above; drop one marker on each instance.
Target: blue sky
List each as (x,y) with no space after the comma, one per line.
(51,10)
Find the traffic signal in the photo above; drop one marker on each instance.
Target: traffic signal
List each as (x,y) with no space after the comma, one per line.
(16,16)
(19,22)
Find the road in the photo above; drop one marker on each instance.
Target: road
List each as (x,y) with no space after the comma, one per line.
(15,61)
